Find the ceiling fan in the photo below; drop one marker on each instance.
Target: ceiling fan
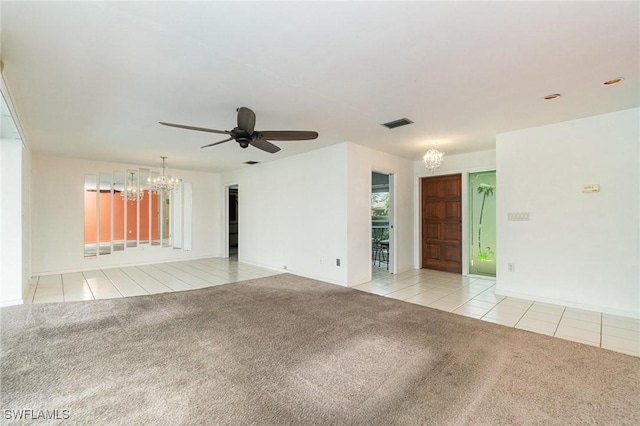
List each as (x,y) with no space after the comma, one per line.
(245,134)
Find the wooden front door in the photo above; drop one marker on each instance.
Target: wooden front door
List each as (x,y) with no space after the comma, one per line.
(442,223)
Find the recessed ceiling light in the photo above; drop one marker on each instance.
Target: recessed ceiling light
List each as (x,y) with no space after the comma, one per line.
(551,97)
(613,81)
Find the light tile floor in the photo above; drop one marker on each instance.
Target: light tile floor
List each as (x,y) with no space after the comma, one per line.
(471,297)
(476,298)
(141,280)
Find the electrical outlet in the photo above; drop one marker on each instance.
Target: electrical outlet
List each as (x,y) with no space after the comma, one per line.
(511,267)
(321,261)
(337,262)
(284,267)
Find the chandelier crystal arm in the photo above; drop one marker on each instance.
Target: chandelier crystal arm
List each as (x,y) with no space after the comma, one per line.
(163,183)
(131,191)
(432,159)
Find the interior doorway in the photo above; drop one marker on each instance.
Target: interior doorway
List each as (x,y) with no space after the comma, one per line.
(382,224)
(233,221)
(442,223)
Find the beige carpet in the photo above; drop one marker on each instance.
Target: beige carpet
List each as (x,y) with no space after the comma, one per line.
(289,350)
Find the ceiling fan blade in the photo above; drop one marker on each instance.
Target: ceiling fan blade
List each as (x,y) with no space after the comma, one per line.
(287,135)
(216,143)
(246,119)
(265,145)
(200,129)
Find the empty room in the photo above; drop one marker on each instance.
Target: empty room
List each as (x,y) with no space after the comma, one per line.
(409,213)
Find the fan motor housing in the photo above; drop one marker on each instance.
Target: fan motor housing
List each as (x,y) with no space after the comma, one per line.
(244,142)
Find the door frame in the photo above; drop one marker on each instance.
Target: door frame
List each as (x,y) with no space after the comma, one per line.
(225,220)
(392,219)
(466,221)
(463,225)
(465,213)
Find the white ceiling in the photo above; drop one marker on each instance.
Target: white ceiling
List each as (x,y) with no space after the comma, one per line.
(92,79)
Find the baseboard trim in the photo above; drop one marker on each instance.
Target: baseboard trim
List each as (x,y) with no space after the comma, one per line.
(405,269)
(569,304)
(11,302)
(294,272)
(123,265)
(482,277)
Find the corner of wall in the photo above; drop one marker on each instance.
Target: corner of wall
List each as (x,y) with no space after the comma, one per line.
(26,219)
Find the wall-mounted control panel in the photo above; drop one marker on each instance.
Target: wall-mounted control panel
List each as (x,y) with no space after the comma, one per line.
(590,188)
(518,217)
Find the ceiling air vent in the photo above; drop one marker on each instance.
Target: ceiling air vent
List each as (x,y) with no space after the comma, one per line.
(251,162)
(397,123)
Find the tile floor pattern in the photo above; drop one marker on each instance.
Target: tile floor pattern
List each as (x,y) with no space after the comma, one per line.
(472,297)
(476,298)
(141,280)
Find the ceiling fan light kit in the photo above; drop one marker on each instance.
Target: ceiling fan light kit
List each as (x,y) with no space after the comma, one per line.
(245,134)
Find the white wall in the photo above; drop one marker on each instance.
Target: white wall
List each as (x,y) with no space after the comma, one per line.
(15,208)
(300,209)
(292,212)
(11,247)
(26,219)
(58,218)
(361,162)
(451,164)
(2,225)
(580,250)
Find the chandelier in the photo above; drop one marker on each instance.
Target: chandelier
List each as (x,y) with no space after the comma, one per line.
(131,192)
(163,183)
(432,159)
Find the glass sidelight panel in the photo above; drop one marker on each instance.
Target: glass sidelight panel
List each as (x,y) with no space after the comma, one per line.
(131,212)
(155,220)
(482,194)
(119,202)
(104,214)
(187,203)
(177,224)
(165,215)
(145,202)
(90,215)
